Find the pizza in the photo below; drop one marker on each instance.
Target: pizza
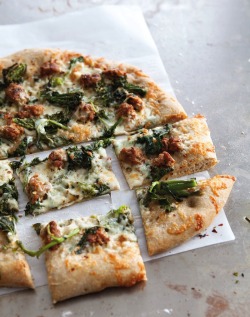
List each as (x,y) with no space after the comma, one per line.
(92,253)
(57,99)
(67,176)
(14,269)
(51,98)
(174,150)
(174,211)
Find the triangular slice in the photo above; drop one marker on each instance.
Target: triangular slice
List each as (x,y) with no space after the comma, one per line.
(175,211)
(174,150)
(91,253)
(14,269)
(50,98)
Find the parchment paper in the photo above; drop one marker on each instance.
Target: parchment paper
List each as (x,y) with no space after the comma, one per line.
(117,33)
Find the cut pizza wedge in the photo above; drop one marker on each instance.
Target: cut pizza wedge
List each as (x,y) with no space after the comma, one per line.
(50,98)
(175,150)
(174,211)
(14,269)
(89,254)
(67,176)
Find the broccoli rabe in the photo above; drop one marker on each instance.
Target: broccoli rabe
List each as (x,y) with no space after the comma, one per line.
(53,241)
(114,91)
(71,99)
(153,143)
(7,224)
(14,73)
(45,129)
(167,193)
(8,198)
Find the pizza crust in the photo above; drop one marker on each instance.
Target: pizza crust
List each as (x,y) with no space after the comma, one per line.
(113,262)
(14,269)
(197,152)
(159,106)
(70,276)
(193,215)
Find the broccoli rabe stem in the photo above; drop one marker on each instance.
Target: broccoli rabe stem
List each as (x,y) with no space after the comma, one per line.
(54,241)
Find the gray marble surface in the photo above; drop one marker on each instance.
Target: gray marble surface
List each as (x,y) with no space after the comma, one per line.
(205,48)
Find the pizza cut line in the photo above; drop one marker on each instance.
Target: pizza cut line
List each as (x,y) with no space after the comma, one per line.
(171,151)
(174,211)
(51,98)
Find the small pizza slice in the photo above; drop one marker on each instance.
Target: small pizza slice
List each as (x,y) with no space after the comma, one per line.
(14,269)
(176,210)
(89,254)
(175,150)
(51,98)
(67,176)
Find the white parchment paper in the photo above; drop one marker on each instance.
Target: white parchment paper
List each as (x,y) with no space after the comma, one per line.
(117,33)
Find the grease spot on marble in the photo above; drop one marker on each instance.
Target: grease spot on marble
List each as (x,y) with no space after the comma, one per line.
(178,288)
(217,304)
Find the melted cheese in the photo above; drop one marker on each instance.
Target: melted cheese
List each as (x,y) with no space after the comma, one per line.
(6,172)
(116,229)
(66,186)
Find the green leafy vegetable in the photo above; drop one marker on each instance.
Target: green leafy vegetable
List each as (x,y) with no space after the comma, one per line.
(102,115)
(84,239)
(14,73)
(98,144)
(157,172)
(30,208)
(71,99)
(153,143)
(8,198)
(75,60)
(56,81)
(26,123)
(46,130)
(7,224)
(135,89)
(54,241)
(78,157)
(109,132)
(34,162)
(93,190)
(62,117)
(37,227)
(16,164)
(81,157)
(114,91)
(120,217)
(167,193)
(22,147)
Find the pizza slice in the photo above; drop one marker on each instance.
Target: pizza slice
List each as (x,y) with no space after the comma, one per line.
(14,269)
(176,210)
(51,98)
(177,149)
(67,176)
(89,254)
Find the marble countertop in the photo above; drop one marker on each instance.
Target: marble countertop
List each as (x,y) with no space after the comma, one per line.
(205,48)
